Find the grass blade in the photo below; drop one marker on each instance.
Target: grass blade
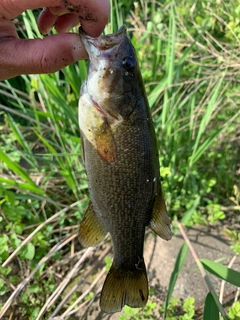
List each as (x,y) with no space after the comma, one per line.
(212,105)
(210,308)
(182,255)
(24,186)
(155,93)
(222,272)
(22,141)
(15,167)
(205,145)
(170,58)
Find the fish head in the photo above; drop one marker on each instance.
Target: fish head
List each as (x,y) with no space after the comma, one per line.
(113,73)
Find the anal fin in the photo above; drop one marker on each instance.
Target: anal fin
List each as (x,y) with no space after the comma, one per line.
(160,222)
(91,231)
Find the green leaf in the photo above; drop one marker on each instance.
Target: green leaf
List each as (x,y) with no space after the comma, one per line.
(210,308)
(30,252)
(182,255)
(3,288)
(5,271)
(10,197)
(34,288)
(234,311)
(24,186)
(34,313)
(222,272)
(108,262)
(14,279)
(188,214)
(15,241)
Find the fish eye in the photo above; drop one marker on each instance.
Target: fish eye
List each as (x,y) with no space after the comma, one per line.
(129,64)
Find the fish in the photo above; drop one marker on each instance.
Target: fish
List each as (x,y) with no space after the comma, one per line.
(122,165)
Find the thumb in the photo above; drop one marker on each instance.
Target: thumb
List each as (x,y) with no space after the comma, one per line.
(35,56)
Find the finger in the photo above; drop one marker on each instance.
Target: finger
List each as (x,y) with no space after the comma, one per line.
(46,20)
(93,15)
(66,22)
(12,8)
(60,10)
(7,29)
(39,55)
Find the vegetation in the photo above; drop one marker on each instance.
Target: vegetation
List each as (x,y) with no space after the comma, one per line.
(189,57)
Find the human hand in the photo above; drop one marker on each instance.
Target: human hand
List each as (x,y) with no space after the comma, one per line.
(32,56)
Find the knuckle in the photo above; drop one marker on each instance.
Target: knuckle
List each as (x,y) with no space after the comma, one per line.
(46,63)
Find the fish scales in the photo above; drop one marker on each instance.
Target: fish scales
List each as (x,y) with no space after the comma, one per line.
(122,165)
(120,186)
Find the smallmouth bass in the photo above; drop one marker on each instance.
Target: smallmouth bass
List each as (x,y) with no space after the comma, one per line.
(122,164)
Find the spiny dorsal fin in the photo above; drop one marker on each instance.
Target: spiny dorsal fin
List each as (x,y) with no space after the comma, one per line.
(160,222)
(124,287)
(91,231)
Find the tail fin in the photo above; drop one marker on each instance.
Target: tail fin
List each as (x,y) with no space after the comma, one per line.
(123,287)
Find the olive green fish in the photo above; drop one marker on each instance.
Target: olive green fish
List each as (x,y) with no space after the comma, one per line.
(122,165)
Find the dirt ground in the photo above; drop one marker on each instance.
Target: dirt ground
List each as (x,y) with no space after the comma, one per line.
(160,257)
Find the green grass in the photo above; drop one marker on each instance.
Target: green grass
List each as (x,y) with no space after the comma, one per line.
(188,59)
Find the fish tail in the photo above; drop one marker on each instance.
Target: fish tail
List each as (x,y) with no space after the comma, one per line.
(124,287)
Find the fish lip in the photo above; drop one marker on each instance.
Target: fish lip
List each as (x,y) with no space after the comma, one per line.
(102,42)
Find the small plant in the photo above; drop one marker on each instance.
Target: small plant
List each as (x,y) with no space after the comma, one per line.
(234,236)
(89,296)
(108,263)
(234,311)
(139,314)
(172,310)
(214,212)
(179,310)
(188,308)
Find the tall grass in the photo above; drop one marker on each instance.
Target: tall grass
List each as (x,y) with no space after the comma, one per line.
(195,108)
(192,86)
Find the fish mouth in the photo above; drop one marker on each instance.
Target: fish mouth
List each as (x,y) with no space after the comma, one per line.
(95,45)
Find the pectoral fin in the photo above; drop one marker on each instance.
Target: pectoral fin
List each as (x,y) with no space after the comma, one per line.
(105,143)
(91,231)
(160,222)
